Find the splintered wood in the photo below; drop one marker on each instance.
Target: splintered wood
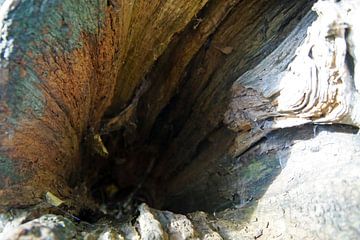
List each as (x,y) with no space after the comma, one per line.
(319,84)
(311,77)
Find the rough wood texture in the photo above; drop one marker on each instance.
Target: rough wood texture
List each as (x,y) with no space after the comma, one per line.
(59,68)
(51,75)
(220,101)
(194,124)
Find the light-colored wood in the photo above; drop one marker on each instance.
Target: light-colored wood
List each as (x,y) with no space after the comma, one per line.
(229,107)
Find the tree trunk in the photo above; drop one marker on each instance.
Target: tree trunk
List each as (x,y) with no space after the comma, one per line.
(247,110)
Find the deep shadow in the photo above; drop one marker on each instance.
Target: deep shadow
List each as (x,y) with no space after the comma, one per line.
(238,190)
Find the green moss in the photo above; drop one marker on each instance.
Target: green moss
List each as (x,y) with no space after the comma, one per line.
(259,173)
(46,29)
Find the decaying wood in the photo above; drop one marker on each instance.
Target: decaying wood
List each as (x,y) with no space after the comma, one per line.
(59,77)
(127,115)
(229,107)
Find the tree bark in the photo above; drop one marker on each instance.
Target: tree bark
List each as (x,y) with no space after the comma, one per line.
(247,110)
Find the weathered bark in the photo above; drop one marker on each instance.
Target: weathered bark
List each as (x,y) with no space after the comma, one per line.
(229,107)
(60,64)
(55,83)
